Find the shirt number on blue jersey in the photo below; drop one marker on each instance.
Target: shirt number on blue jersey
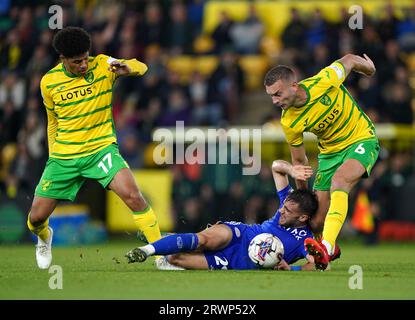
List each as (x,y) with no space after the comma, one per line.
(104,167)
(221,262)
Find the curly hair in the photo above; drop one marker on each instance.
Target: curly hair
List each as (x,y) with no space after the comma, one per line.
(71,42)
(306,200)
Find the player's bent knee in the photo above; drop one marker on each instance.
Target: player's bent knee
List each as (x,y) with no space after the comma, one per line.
(38,214)
(208,241)
(203,240)
(342,181)
(338,182)
(214,239)
(36,217)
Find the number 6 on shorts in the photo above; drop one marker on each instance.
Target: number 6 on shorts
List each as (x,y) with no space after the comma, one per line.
(360,149)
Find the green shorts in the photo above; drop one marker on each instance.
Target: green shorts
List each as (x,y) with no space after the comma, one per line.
(364,151)
(62,178)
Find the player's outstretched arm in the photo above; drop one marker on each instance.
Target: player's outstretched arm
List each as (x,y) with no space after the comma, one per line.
(130,67)
(363,65)
(284,266)
(299,157)
(281,169)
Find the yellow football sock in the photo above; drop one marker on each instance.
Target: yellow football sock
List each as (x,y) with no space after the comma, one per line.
(42,230)
(146,221)
(336,215)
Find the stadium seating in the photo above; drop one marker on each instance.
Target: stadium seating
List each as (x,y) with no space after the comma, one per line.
(254,67)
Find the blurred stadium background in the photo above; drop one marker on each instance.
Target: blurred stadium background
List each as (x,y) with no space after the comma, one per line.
(206,64)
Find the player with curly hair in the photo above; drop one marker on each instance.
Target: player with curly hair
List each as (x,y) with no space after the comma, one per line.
(77,94)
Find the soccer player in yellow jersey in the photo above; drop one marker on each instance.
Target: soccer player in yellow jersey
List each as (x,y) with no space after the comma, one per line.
(82,141)
(346,139)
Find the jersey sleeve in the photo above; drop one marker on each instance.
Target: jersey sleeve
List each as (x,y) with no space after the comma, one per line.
(283,194)
(333,75)
(104,63)
(138,68)
(50,112)
(302,251)
(293,137)
(299,253)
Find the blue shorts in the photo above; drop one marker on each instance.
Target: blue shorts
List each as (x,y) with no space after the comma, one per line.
(235,255)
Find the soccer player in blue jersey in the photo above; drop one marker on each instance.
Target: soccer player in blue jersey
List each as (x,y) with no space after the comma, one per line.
(225,244)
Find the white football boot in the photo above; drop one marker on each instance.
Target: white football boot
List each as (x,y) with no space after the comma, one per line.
(44,251)
(163,264)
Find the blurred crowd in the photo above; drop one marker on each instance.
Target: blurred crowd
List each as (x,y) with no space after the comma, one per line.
(387,96)
(155,31)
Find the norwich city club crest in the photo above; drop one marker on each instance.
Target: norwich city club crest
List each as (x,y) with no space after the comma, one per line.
(325,100)
(318,178)
(45,184)
(89,77)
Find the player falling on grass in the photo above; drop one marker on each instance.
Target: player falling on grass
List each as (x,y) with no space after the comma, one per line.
(225,245)
(346,139)
(77,94)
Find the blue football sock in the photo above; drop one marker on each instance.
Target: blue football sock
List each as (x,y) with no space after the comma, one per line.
(176,243)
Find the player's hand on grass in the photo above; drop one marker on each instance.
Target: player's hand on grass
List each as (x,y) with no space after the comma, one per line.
(282,266)
(119,68)
(309,258)
(301,172)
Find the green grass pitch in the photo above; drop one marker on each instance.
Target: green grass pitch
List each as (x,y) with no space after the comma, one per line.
(101,272)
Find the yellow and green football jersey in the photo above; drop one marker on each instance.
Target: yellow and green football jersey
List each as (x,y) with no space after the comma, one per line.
(330,112)
(79,108)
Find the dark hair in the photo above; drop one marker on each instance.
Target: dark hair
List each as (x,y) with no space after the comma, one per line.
(71,42)
(306,200)
(280,72)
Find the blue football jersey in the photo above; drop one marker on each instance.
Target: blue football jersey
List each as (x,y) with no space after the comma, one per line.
(292,238)
(235,255)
